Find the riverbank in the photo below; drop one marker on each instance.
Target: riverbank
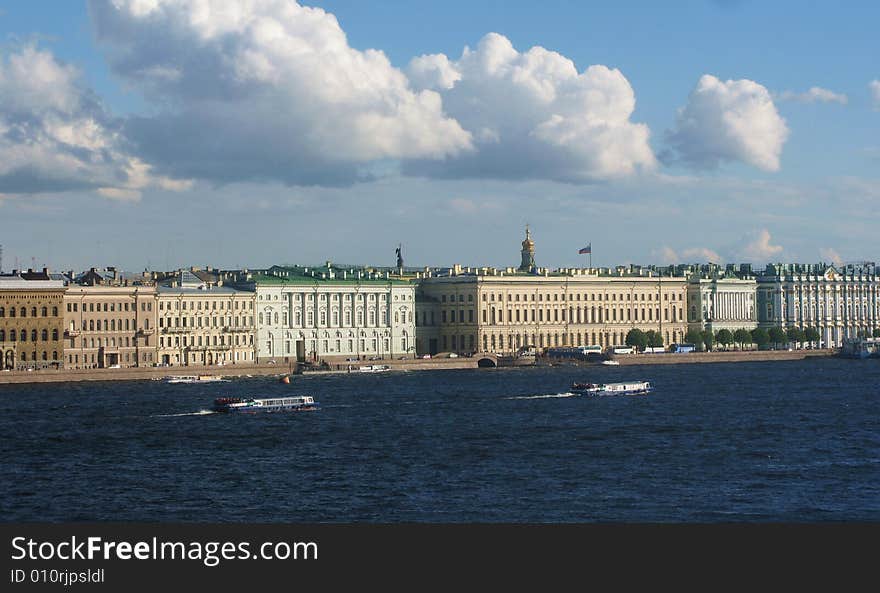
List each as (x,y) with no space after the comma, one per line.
(418,364)
(721,356)
(239,370)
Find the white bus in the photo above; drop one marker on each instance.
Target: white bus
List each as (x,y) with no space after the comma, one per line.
(621,349)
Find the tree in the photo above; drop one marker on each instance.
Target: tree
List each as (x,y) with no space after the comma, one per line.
(655,339)
(777,336)
(708,339)
(694,336)
(812,335)
(636,338)
(724,337)
(877,333)
(742,336)
(760,337)
(796,335)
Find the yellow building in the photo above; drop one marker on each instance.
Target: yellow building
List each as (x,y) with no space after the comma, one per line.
(31,322)
(492,310)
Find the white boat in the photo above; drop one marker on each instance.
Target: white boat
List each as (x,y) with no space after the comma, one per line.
(301,403)
(374,368)
(611,363)
(196,379)
(625,388)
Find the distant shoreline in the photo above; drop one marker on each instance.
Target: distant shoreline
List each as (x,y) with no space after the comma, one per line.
(153,373)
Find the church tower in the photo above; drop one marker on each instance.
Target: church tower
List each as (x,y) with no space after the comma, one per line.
(528,253)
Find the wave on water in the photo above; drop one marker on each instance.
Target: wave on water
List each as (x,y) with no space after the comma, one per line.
(548,396)
(199,413)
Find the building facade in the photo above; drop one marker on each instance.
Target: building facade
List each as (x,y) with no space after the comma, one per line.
(110,326)
(31,323)
(202,325)
(719,298)
(839,302)
(332,314)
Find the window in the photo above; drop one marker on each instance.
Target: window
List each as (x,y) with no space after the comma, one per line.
(45,312)
(45,335)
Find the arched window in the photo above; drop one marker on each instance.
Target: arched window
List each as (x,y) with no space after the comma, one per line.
(12,335)
(2,312)
(91,325)
(113,324)
(45,311)
(276,317)
(23,312)
(2,335)
(54,355)
(33,311)
(33,335)
(23,335)
(45,355)
(54,311)
(12,311)
(45,335)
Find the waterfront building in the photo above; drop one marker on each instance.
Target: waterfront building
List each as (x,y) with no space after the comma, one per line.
(331,313)
(839,301)
(502,310)
(201,324)
(31,321)
(109,326)
(722,298)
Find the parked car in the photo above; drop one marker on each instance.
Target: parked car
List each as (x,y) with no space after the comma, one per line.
(426,356)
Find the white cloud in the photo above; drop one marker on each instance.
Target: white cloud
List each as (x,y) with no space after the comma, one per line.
(702,254)
(732,120)
(757,248)
(266,89)
(814,95)
(668,255)
(533,115)
(829,254)
(874,85)
(55,135)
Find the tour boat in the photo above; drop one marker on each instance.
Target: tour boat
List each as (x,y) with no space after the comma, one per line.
(196,379)
(627,388)
(302,403)
(375,368)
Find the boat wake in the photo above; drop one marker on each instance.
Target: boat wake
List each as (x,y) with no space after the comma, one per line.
(548,396)
(199,413)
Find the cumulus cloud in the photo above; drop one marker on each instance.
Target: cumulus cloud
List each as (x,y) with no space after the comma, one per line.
(668,255)
(757,248)
(874,85)
(829,254)
(733,120)
(266,89)
(534,115)
(814,95)
(55,135)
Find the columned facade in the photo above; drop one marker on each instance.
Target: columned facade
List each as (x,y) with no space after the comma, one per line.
(332,315)
(839,302)
(722,303)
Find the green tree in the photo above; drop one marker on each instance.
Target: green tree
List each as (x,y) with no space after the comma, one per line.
(742,336)
(796,335)
(708,339)
(694,336)
(777,336)
(760,337)
(812,335)
(724,337)
(636,338)
(877,333)
(655,339)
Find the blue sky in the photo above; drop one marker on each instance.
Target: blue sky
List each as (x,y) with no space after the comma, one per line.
(152,140)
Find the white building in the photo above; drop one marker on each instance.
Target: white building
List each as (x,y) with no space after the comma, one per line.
(331,314)
(839,302)
(719,298)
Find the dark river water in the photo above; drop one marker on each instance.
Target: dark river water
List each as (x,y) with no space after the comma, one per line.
(758,442)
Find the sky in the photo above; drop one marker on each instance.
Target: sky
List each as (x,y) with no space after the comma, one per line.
(167,133)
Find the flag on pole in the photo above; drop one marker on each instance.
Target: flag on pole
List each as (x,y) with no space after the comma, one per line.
(586,249)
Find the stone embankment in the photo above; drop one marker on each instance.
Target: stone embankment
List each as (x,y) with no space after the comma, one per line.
(721,356)
(239,370)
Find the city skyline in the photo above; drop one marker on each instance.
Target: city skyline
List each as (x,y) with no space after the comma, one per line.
(163,135)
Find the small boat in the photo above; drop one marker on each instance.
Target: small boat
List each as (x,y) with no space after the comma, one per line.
(302,403)
(196,379)
(626,388)
(285,379)
(375,368)
(611,363)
